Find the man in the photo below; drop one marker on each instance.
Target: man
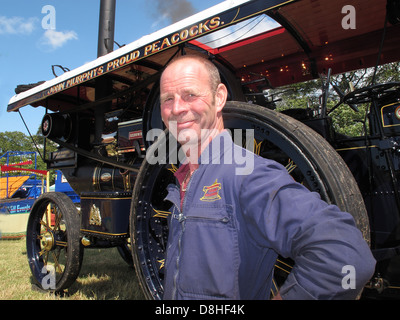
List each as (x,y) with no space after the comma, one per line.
(226,229)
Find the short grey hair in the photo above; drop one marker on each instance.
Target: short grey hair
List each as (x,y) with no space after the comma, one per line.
(212,70)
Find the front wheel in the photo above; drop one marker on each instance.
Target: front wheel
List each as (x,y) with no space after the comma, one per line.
(53,242)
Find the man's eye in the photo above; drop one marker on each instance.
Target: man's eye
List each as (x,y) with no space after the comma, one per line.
(190,97)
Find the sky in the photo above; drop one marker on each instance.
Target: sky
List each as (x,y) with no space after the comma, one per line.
(36,34)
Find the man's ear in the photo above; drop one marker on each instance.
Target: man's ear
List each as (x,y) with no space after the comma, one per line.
(220,97)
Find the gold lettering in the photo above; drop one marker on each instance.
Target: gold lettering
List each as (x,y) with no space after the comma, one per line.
(184,34)
(147,49)
(116,64)
(193,31)
(203,26)
(166,43)
(133,56)
(70,82)
(57,88)
(174,38)
(109,65)
(122,61)
(215,22)
(155,46)
(91,74)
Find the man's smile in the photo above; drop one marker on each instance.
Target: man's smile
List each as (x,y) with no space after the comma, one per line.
(184,124)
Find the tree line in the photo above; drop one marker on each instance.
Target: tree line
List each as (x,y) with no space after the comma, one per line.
(345,120)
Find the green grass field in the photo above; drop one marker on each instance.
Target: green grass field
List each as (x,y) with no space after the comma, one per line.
(104,276)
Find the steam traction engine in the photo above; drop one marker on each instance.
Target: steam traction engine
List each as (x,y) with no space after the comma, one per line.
(100,116)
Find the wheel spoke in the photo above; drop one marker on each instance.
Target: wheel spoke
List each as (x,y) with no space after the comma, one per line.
(44,224)
(57,221)
(61,243)
(42,252)
(57,265)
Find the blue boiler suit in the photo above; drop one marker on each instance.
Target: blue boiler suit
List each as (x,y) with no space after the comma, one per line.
(224,242)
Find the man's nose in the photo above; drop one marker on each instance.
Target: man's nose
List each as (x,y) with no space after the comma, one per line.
(179,106)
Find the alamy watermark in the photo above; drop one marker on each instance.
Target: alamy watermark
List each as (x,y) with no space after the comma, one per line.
(349,280)
(49,20)
(218,152)
(349,20)
(49,280)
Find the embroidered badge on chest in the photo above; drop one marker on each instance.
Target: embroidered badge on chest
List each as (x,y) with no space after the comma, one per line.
(211,193)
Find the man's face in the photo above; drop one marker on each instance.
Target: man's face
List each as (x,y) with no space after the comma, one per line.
(188,104)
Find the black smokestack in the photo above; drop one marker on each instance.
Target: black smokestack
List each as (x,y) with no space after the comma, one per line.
(105,45)
(106,27)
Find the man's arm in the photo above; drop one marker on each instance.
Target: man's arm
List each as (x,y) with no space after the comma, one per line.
(332,260)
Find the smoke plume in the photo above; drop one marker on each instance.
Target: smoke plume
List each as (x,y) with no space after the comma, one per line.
(174,10)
